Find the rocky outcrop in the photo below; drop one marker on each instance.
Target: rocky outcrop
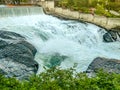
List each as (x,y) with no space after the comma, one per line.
(108,65)
(16,56)
(112,35)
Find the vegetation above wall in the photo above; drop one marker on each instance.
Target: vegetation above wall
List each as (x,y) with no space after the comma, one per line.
(56,79)
(101,7)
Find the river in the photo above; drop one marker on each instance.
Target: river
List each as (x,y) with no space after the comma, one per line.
(60,42)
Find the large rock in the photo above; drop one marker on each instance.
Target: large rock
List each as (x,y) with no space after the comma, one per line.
(108,65)
(112,35)
(16,56)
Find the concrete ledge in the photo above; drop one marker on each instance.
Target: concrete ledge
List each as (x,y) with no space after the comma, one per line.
(102,21)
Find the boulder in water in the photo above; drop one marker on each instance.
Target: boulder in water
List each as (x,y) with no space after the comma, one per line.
(112,35)
(16,56)
(108,65)
(107,37)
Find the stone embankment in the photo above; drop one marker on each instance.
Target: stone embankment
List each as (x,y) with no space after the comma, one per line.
(112,25)
(102,21)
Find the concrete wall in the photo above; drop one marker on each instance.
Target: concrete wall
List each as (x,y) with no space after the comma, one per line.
(50,4)
(47,4)
(98,20)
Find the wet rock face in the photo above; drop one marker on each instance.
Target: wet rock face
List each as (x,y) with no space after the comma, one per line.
(16,56)
(112,35)
(108,65)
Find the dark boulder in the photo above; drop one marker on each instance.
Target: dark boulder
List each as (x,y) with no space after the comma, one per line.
(108,65)
(16,56)
(112,35)
(10,35)
(107,37)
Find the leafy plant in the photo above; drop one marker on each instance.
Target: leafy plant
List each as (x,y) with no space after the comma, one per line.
(102,6)
(59,79)
(100,10)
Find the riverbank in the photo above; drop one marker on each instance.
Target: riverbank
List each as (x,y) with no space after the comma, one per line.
(102,21)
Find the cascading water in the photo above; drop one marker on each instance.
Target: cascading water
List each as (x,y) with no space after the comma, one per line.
(62,42)
(19,11)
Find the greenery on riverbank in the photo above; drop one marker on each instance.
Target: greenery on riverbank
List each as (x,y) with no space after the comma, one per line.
(100,7)
(56,79)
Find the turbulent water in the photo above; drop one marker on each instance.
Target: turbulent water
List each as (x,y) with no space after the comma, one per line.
(62,42)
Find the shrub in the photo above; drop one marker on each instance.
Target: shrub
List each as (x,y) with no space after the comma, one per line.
(100,10)
(113,6)
(103,6)
(59,79)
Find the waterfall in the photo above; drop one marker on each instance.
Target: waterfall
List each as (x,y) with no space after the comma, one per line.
(6,11)
(61,42)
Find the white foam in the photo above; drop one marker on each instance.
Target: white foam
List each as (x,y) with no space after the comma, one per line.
(80,42)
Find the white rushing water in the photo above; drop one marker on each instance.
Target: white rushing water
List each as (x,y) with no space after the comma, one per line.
(2,6)
(7,11)
(62,42)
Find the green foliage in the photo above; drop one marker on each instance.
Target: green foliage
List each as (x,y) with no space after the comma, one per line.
(102,7)
(85,10)
(101,11)
(113,6)
(72,3)
(59,79)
